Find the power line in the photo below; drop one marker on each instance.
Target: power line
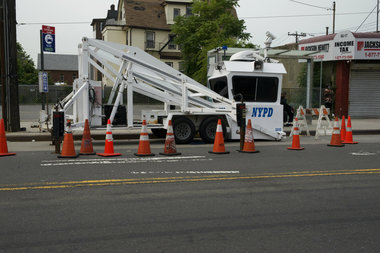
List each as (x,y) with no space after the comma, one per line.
(305,15)
(320,7)
(297,35)
(367,26)
(366,18)
(56,23)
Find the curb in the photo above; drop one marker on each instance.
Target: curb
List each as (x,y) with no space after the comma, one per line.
(25,137)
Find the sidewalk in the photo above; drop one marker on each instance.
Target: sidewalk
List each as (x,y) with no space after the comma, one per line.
(359,127)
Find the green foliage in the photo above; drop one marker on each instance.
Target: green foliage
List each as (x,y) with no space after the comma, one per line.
(302,82)
(212,25)
(302,77)
(26,72)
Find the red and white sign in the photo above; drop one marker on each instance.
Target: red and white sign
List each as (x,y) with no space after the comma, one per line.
(48,29)
(345,46)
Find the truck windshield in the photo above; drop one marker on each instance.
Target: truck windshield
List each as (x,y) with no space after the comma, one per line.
(256,88)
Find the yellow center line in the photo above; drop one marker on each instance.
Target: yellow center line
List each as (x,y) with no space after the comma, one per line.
(133,181)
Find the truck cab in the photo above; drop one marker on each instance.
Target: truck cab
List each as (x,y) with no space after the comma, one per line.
(256,81)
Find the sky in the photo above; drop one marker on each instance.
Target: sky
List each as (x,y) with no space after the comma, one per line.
(280,17)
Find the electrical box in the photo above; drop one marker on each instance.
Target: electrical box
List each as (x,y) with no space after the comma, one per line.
(240,114)
(58,124)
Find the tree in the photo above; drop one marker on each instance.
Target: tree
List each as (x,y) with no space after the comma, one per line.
(212,25)
(27,73)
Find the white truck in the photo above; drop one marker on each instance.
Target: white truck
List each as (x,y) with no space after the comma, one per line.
(191,106)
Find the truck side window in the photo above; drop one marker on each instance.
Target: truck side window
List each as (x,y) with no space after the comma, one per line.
(245,85)
(267,88)
(256,89)
(219,85)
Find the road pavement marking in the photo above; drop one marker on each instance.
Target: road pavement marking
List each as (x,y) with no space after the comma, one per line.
(123,160)
(363,153)
(204,178)
(188,172)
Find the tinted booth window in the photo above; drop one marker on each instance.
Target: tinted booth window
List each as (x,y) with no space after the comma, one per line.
(219,85)
(256,89)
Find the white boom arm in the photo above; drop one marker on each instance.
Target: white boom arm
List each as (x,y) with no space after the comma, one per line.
(137,71)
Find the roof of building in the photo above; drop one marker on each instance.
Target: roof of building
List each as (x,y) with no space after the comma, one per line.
(332,36)
(318,39)
(145,14)
(97,20)
(65,62)
(367,35)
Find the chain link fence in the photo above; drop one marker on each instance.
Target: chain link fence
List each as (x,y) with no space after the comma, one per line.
(29,94)
(297,97)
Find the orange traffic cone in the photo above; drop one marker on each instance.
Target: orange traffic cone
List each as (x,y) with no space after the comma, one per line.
(296,137)
(86,147)
(335,137)
(108,148)
(348,138)
(68,150)
(219,140)
(144,144)
(169,148)
(249,143)
(343,129)
(3,141)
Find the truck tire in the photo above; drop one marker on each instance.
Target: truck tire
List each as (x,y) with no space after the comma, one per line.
(159,132)
(207,129)
(184,130)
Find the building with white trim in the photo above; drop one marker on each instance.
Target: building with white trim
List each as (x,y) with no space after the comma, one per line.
(355,59)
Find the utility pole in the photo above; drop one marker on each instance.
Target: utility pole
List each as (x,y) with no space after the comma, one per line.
(297,35)
(377,17)
(334,8)
(9,65)
(2,64)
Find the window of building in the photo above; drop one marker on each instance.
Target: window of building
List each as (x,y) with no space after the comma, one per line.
(61,78)
(256,89)
(176,12)
(172,45)
(181,66)
(74,76)
(189,11)
(169,64)
(150,39)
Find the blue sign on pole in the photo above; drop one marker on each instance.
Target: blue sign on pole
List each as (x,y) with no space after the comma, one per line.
(48,42)
(43,82)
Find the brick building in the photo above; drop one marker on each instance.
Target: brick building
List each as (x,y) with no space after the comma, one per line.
(62,68)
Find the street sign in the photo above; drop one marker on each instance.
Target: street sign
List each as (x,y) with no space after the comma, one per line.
(43,82)
(48,38)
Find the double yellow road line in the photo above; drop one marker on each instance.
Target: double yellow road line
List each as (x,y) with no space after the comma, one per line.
(221,177)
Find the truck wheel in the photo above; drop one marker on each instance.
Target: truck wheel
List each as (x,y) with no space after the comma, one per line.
(184,130)
(207,129)
(159,132)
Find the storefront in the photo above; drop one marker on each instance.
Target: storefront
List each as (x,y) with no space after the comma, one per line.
(357,77)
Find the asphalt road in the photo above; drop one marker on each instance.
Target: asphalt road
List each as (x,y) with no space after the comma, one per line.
(321,199)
